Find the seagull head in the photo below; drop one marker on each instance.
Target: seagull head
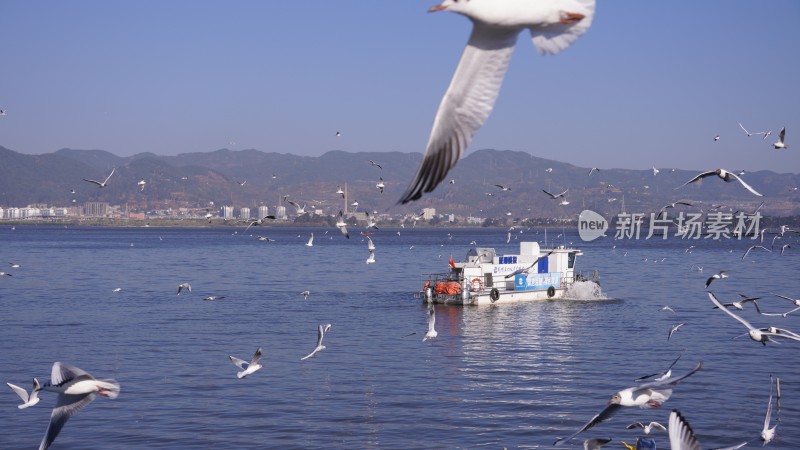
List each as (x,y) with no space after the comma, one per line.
(615,399)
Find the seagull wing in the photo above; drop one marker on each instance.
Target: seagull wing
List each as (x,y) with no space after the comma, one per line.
(742,127)
(93,181)
(699,176)
(551,195)
(240,363)
(720,306)
(670,381)
(66,407)
(256,356)
(603,416)
(465,107)
(746,186)
(23,394)
(681,435)
(109,175)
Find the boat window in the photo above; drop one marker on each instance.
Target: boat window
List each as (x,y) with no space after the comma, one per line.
(571,261)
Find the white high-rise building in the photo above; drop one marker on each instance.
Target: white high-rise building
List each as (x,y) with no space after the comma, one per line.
(226,212)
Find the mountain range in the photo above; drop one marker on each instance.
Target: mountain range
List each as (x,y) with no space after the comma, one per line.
(251,178)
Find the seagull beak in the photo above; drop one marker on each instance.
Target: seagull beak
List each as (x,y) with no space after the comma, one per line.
(437,8)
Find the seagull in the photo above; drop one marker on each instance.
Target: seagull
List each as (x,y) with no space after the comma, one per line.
(141,184)
(548,170)
(375,164)
(14,265)
(212,298)
(241,183)
(781,136)
(298,209)
(671,205)
(720,275)
(469,99)
(784,247)
(310,242)
(103,184)
(320,334)
(592,170)
(647,395)
(556,196)
(305,294)
(747,132)
(662,376)
(380,185)
(116,290)
(767,433)
(655,171)
(371,257)
(75,389)
(340,191)
(740,304)
(681,435)
(725,175)
(342,225)
(183,286)
(370,244)
(338,133)
(796,301)
(27,400)
(716,138)
(432,333)
(754,333)
(264,238)
(666,308)
(258,221)
(252,366)
(647,428)
(754,247)
(371,222)
(674,329)
(503,188)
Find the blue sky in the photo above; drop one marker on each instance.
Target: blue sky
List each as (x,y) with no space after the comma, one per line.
(651,83)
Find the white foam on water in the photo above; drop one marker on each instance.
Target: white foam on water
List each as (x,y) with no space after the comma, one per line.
(585,290)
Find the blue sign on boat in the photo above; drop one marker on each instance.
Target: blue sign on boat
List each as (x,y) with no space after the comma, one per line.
(536,281)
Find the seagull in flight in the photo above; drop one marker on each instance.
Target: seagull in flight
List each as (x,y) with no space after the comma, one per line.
(305,294)
(258,222)
(755,334)
(340,191)
(740,304)
(247,367)
(469,99)
(747,132)
(674,329)
(432,333)
(341,225)
(646,428)
(380,185)
(183,286)
(557,196)
(663,210)
(298,209)
(103,184)
(720,275)
(503,188)
(28,400)
(725,176)
(212,298)
(761,247)
(375,164)
(592,170)
(767,433)
(779,144)
(320,334)
(310,242)
(662,376)
(141,184)
(75,389)
(647,395)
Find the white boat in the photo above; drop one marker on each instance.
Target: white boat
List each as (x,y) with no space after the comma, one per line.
(486,278)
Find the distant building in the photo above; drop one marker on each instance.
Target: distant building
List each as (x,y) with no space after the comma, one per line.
(263,211)
(95,209)
(226,212)
(244,213)
(428,213)
(280,212)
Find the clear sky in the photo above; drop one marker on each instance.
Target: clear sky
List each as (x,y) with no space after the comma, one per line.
(650,83)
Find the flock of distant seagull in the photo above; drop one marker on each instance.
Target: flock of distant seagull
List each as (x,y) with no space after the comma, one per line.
(466,105)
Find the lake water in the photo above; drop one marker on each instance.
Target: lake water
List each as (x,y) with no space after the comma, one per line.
(515,376)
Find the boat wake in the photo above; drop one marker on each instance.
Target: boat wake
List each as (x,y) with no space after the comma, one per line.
(584,290)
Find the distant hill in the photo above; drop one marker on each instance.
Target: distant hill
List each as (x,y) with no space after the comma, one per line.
(198,179)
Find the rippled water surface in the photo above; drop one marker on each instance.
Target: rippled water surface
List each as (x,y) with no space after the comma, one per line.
(515,376)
